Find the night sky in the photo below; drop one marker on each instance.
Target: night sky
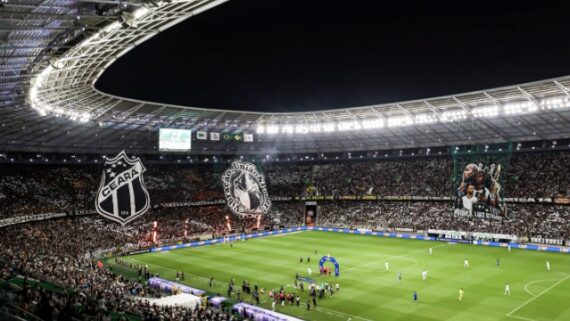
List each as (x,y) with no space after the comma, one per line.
(285,55)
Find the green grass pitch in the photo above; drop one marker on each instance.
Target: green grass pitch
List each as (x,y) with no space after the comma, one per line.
(369,292)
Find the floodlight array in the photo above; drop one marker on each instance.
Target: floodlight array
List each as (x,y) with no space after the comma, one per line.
(65,89)
(41,81)
(45,109)
(454,115)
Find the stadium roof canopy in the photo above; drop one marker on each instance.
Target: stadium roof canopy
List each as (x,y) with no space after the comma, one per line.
(53,51)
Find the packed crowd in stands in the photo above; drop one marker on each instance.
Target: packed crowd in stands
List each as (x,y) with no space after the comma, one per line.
(419,177)
(43,189)
(539,175)
(62,251)
(525,220)
(55,188)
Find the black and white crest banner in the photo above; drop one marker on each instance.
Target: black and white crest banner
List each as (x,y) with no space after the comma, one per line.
(122,195)
(245,190)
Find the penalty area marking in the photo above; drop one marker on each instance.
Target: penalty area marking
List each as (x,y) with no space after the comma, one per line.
(510,314)
(534,282)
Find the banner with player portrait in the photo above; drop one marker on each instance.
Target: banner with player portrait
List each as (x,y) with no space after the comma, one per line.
(478,180)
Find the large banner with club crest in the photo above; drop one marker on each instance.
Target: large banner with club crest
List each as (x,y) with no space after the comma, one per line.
(122,195)
(245,190)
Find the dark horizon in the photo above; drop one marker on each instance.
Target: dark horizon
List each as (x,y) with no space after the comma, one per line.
(312,55)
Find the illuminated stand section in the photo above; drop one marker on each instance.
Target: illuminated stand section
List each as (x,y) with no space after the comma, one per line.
(333,261)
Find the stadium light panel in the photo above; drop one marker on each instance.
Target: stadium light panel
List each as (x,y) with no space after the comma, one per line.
(523,107)
(272,129)
(453,115)
(287,129)
(373,123)
(485,111)
(328,127)
(425,118)
(350,125)
(398,121)
(315,128)
(301,129)
(555,103)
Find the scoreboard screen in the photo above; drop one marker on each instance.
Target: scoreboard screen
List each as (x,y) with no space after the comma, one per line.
(174,140)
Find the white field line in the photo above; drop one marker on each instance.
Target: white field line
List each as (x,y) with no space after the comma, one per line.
(521,318)
(510,314)
(533,282)
(415,263)
(342,313)
(392,257)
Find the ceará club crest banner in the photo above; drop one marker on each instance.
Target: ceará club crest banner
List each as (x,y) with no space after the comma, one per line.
(122,195)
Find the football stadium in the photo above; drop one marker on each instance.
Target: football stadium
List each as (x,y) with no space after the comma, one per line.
(221,160)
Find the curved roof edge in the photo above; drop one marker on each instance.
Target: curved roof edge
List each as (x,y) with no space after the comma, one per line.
(65,88)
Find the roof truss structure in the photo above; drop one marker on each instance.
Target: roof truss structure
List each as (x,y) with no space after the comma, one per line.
(53,51)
